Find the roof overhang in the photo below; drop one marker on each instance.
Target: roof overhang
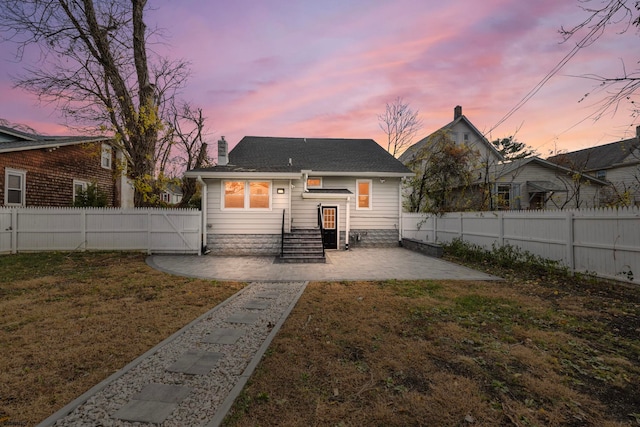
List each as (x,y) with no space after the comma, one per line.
(243,175)
(360,174)
(52,144)
(545,187)
(327,193)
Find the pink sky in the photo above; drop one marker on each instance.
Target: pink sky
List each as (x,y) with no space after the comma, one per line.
(327,68)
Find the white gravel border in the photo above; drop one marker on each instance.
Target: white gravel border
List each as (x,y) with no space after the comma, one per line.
(212,395)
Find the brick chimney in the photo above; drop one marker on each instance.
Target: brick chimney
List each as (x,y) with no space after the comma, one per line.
(223,155)
(457,112)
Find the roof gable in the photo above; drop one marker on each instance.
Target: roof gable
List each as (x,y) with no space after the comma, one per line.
(16,140)
(275,154)
(410,152)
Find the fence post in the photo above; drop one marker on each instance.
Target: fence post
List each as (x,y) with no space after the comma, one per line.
(570,248)
(83,229)
(14,230)
(149,231)
(461,234)
(501,228)
(435,227)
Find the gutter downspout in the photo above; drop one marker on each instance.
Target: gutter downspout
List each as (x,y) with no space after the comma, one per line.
(203,248)
(347,224)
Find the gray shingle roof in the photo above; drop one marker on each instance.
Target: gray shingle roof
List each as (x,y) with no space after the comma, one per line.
(272,154)
(597,158)
(16,140)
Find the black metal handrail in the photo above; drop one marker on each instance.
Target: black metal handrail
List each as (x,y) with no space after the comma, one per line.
(282,236)
(321,225)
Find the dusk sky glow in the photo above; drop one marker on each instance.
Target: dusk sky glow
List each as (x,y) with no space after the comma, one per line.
(326,68)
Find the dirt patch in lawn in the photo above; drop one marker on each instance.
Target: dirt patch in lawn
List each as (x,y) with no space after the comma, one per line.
(522,352)
(68,321)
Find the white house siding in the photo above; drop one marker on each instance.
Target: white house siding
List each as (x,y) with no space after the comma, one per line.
(589,192)
(244,232)
(627,178)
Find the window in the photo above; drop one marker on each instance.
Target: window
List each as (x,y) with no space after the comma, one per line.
(363,194)
(466,137)
(105,158)
(504,196)
(165,197)
(601,174)
(314,182)
(14,188)
(78,188)
(236,195)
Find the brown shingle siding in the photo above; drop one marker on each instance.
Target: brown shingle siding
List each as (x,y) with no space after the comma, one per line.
(50,173)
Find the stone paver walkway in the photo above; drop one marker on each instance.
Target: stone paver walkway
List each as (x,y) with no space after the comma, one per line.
(193,377)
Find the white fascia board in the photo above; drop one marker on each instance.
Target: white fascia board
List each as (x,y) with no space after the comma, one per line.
(243,175)
(53,144)
(306,195)
(360,174)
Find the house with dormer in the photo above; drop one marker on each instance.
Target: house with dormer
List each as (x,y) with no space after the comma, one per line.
(42,170)
(276,196)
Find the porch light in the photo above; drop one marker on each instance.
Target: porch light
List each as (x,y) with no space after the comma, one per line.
(280,190)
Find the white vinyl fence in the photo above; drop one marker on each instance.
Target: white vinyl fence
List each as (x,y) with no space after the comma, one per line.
(79,229)
(605,242)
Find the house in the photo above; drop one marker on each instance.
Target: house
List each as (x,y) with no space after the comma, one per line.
(496,183)
(267,186)
(534,183)
(618,163)
(39,170)
(484,157)
(172,194)
(461,131)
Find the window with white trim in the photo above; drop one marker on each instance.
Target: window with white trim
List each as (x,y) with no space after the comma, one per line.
(314,182)
(105,157)
(78,188)
(14,187)
(363,193)
(246,195)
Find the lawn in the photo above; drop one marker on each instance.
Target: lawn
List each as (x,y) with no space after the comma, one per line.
(523,352)
(68,321)
(526,351)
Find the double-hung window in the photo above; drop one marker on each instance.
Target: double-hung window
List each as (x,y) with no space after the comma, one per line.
(14,187)
(246,195)
(363,193)
(79,187)
(105,157)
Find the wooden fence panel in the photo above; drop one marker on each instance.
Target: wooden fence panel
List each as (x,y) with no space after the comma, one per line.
(70,229)
(605,242)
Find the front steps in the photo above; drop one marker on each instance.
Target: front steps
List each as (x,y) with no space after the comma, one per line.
(302,245)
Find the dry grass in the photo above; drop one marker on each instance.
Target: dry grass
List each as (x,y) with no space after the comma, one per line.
(523,352)
(519,352)
(67,321)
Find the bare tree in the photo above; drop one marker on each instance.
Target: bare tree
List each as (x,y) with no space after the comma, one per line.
(601,15)
(184,147)
(400,123)
(97,68)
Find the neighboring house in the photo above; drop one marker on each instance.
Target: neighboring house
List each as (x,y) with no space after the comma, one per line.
(461,131)
(618,163)
(39,170)
(270,185)
(534,183)
(529,183)
(172,194)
